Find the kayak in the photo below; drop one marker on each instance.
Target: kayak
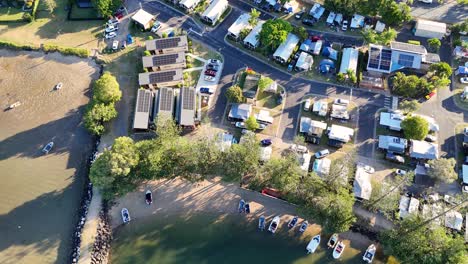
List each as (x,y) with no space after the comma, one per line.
(293,222)
(304,226)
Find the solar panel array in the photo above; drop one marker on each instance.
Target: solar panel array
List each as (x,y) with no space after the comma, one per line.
(188,99)
(385,60)
(165,59)
(380,59)
(374,58)
(144,101)
(166,99)
(160,77)
(167,43)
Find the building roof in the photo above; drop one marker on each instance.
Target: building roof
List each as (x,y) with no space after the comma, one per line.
(407,47)
(317,11)
(341,133)
(163,59)
(189,3)
(454,220)
(339,111)
(161,78)
(465,173)
(142,109)
(252,36)
(142,17)
(310,126)
(250,86)
(240,111)
(187,106)
(167,43)
(380,58)
(165,101)
(286,48)
(304,161)
(241,22)
(432,58)
(315,47)
(408,206)
(320,107)
(305,61)
(362,184)
(423,150)
(322,166)
(357,21)
(349,60)
(264,116)
(392,120)
(393,144)
(331,18)
(433,26)
(215,9)
(379,27)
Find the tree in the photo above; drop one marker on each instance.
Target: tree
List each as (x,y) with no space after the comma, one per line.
(241,159)
(103,7)
(384,38)
(50,6)
(166,129)
(244,32)
(423,244)
(409,106)
(274,32)
(106,89)
(283,174)
(351,76)
(340,77)
(96,115)
(394,14)
(415,127)
(441,69)
(264,82)
(442,170)
(346,7)
(254,15)
(407,86)
(251,123)
(439,82)
(234,94)
(301,32)
(434,44)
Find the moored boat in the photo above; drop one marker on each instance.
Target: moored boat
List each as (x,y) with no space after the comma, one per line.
(340,246)
(261,223)
(125,215)
(370,253)
(332,241)
(274,224)
(48,147)
(241,206)
(304,226)
(149,197)
(313,244)
(58,86)
(293,222)
(14,105)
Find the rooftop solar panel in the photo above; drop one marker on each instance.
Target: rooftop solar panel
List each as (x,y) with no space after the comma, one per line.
(166,99)
(188,99)
(160,77)
(167,43)
(143,101)
(165,59)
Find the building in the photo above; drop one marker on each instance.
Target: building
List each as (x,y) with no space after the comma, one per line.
(186,108)
(339,112)
(465,174)
(241,23)
(251,41)
(393,121)
(398,56)
(320,107)
(331,18)
(357,21)
(164,101)
(164,61)
(379,27)
(304,160)
(240,112)
(430,29)
(341,133)
(143,19)
(304,62)
(214,11)
(393,144)
(311,128)
(188,5)
(423,150)
(321,166)
(408,205)
(362,184)
(143,109)
(349,60)
(264,117)
(161,78)
(315,47)
(339,18)
(167,45)
(316,11)
(284,51)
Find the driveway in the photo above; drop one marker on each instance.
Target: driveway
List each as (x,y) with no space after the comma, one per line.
(449,12)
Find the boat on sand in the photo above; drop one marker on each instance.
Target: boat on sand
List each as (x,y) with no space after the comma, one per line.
(274,224)
(332,241)
(293,222)
(370,253)
(340,246)
(313,244)
(304,226)
(125,215)
(261,223)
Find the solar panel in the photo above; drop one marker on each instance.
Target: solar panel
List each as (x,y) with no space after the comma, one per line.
(166,43)
(188,98)
(166,99)
(143,101)
(160,77)
(165,59)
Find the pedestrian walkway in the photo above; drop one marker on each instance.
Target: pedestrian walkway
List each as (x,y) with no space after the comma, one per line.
(88,235)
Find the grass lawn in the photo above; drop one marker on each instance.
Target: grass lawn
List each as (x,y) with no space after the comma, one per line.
(11,14)
(205,52)
(268,100)
(54,28)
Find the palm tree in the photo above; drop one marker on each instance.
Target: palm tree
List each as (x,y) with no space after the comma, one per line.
(254,14)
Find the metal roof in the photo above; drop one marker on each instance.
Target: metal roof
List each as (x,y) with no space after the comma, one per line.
(163,59)
(241,22)
(286,48)
(187,106)
(215,9)
(251,38)
(349,60)
(362,184)
(161,78)
(142,109)
(142,17)
(406,47)
(167,43)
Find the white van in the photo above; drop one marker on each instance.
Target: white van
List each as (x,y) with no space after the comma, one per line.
(307,105)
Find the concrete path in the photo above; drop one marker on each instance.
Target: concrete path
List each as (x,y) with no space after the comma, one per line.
(91,225)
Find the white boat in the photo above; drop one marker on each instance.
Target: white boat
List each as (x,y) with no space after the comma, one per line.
(332,241)
(274,224)
(58,86)
(14,105)
(261,223)
(47,147)
(125,215)
(313,244)
(340,246)
(370,253)
(149,197)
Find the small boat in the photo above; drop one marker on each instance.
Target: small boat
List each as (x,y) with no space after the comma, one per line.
(48,147)
(304,226)
(125,215)
(149,197)
(241,206)
(293,222)
(261,223)
(313,244)
(274,224)
(14,105)
(340,246)
(332,241)
(370,253)
(247,208)
(58,86)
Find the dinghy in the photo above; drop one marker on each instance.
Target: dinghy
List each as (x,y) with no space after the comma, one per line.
(313,244)
(304,226)
(332,241)
(340,246)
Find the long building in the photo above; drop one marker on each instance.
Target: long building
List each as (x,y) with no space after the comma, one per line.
(164,61)
(167,45)
(186,110)
(143,109)
(214,11)
(161,78)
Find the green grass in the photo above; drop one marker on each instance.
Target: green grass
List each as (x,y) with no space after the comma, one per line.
(11,14)
(268,100)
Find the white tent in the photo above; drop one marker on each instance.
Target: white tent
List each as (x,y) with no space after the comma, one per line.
(252,38)
(238,25)
(349,60)
(189,4)
(430,29)
(284,51)
(304,62)
(143,18)
(362,184)
(379,27)
(214,11)
(357,21)
(340,133)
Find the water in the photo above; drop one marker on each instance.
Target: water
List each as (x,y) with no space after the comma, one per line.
(215,239)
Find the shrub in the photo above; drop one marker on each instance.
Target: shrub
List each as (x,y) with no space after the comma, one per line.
(34,10)
(15,46)
(83,53)
(150,38)
(27,17)
(164,35)
(147,53)
(189,65)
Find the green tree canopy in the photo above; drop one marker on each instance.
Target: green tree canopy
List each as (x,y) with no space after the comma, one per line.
(411,86)
(254,15)
(409,106)
(274,32)
(415,127)
(106,89)
(441,69)
(442,170)
(384,38)
(242,159)
(264,82)
(234,94)
(346,7)
(106,7)
(301,32)
(434,44)
(251,123)
(394,14)
(283,174)
(96,115)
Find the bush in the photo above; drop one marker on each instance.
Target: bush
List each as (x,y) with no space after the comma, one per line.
(15,46)
(147,53)
(83,53)
(189,65)
(27,17)
(150,38)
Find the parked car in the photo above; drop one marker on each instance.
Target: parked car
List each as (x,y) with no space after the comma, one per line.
(113,22)
(111,35)
(240,124)
(322,154)
(206,90)
(262,126)
(124,44)
(430,95)
(341,101)
(111,28)
(214,62)
(212,67)
(344,27)
(369,169)
(210,73)
(156,26)
(299,14)
(400,172)
(209,78)
(430,138)
(426,1)
(307,105)
(115,44)
(266,142)
(298,148)
(395,158)
(308,22)
(464,79)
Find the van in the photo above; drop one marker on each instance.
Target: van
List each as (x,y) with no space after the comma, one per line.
(307,105)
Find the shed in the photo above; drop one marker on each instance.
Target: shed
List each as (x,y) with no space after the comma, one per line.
(379,27)
(357,21)
(241,23)
(331,18)
(251,41)
(326,66)
(430,29)
(349,60)
(264,116)
(393,144)
(189,5)
(322,166)
(430,211)
(265,153)
(316,11)
(330,53)
(304,62)
(143,18)
(454,220)
(340,112)
(284,51)
(143,107)
(341,133)
(240,112)
(214,11)
(423,150)
(320,107)
(362,184)
(271,88)
(186,111)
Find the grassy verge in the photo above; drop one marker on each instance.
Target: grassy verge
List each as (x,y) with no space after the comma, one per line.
(205,52)
(11,14)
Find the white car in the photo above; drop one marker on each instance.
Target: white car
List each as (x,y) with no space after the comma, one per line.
(156,26)
(115,45)
(426,1)
(464,79)
(111,28)
(209,78)
(369,169)
(113,22)
(111,35)
(307,105)
(400,172)
(240,124)
(344,27)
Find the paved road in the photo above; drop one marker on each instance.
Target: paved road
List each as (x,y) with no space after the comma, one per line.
(448,12)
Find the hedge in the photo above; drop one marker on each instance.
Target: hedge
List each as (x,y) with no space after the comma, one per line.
(83,53)
(15,46)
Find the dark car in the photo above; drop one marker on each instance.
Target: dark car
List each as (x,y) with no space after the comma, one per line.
(212,67)
(308,22)
(206,90)
(266,142)
(267,7)
(210,73)
(335,143)
(395,158)
(299,14)
(279,99)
